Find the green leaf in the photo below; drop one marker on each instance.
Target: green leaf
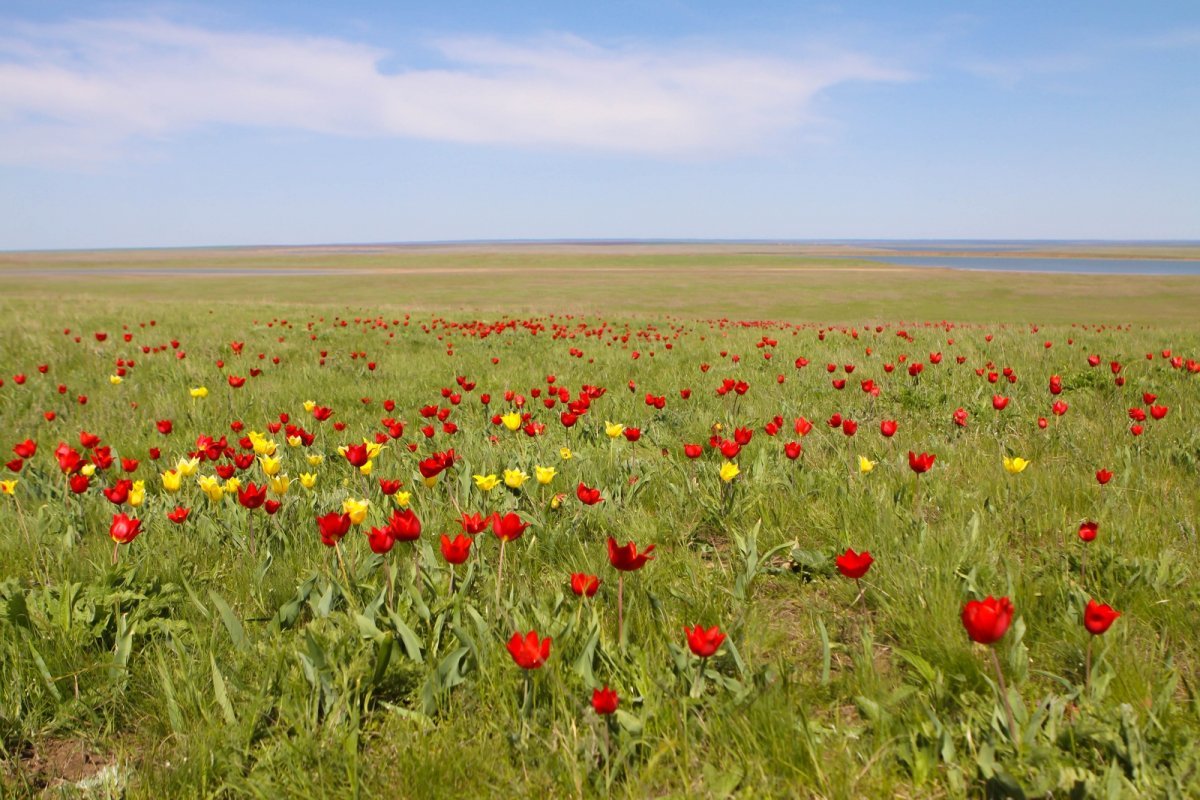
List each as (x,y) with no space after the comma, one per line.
(236,634)
(221,693)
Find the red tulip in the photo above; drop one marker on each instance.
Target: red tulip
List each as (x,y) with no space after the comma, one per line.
(1087,530)
(604,701)
(380,540)
(456,550)
(1059,408)
(356,454)
(584,585)
(632,434)
(165,426)
(693,450)
(474,523)
(251,496)
(854,565)
(1158,412)
(389,487)
(405,526)
(333,527)
(792,450)
(986,621)
(508,527)
(888,427)
(587,495)
(119,493)
(124,529)
(1097,617)
(179,515)
(1103,476)
(920,463)
(849,427)
(626,558)
(79,483)
(528,652)
(14,465)
(960,417)
(999,402)
(704,643)
(25,449)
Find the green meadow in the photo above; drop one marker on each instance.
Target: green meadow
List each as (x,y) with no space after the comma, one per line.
(236,654)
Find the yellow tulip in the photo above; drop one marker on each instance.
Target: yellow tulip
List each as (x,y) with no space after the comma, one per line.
(366,468)
(729,471)
(294,441)
(557,500)
(511,420)
(1015,465)
(187,467)
(199,391)
(270,466)
(172,480)
(232,485)
(115,380)
(137,494)
(402,498)
(315,460)
(486,482)
(357,509)
(544,474)
(308,479)
(8,487)
(565,453)
(87,470)
(211,488)
(279,484)
(262,445)
(431,481)
(865,465)
(373,449)
(309,405)
(613,429)
(514,478)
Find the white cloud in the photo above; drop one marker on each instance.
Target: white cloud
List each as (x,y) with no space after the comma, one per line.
(94,90)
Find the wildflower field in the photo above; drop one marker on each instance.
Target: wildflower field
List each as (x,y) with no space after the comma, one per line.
(574,525)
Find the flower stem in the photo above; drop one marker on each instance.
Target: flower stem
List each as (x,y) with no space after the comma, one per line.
(1012,725)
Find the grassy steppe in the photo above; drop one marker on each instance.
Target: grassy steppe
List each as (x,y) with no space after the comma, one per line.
(213,662)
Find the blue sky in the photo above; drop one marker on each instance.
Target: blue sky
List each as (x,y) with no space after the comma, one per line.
(220,123)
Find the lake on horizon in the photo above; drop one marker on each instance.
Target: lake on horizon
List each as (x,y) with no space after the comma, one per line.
(1092,266)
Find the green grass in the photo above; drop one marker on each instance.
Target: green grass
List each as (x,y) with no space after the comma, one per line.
(206,665)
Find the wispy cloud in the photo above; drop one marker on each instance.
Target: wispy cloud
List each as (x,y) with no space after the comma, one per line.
(93,90)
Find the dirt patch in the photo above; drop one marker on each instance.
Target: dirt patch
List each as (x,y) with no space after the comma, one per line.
(58,762)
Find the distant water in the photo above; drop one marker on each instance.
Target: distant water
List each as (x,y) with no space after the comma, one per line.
(1090,266)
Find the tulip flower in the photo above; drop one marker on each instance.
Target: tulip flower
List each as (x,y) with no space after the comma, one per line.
(587,495)
(729,471)
(279,485)
(584,585)
(693,450)
(405,526)
(1097,618)
(252,496)
(515,478)
(124,529)
(544,475)
(920,463)
(613,429)
(179,515)
(380,540)
(8,487)
(198,392)
(527,651)
(26,449)
(1103,476)
(565,453)
(865,465)
(137,493)
(486,482)
(854,565)
(793,450)
(333,527)
(456,550)
(986,622)
(704,643)
(604,701)
(625,558)
(511,420)
(888,427)
(1014,466)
